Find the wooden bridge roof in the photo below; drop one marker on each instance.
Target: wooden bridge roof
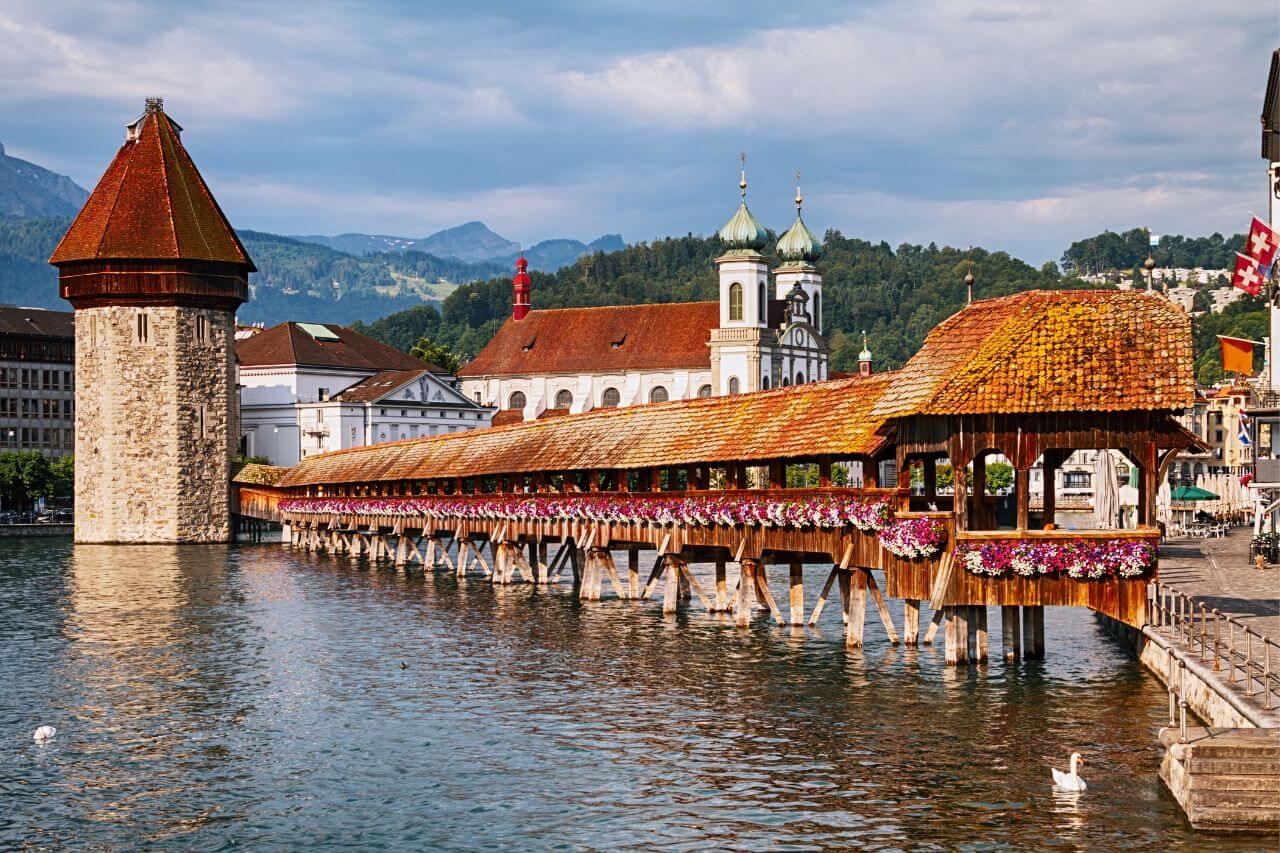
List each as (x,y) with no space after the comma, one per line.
(1051,351)
(1061,351)
(802,421)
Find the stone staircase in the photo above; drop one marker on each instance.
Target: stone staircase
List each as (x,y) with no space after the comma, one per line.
(1227,779)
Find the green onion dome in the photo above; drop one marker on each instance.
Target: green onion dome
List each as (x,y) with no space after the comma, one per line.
(743,231)
(799,244)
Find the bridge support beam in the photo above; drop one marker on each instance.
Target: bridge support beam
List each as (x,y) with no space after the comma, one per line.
(1011,632)
(910,621)
(855,607)
(1033,632)
(797,592)
(722,586)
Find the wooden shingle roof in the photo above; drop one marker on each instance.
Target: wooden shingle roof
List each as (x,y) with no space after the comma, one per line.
(152,204)
(801,422)
(1050,351)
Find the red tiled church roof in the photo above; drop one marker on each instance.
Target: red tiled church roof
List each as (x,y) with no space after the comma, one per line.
(290,344)
(597,340)
(151,204)
(1051,351)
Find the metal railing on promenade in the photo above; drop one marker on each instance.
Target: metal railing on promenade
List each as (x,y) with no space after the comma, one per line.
(1216,641)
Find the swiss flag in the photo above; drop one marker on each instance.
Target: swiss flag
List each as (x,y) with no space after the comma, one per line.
(1262,243)
(1248,277)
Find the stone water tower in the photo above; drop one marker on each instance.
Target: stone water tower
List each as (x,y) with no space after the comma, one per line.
(154,272)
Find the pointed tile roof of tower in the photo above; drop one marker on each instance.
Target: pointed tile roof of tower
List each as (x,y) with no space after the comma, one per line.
(152,204)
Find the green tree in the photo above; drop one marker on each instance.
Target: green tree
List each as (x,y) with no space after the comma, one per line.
(24,476)
(63,477)
(435,353)
(999,476)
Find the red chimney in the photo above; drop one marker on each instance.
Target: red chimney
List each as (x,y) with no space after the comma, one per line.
(520,285)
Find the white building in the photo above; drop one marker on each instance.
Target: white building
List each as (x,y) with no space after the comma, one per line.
(307,388)
(765,331)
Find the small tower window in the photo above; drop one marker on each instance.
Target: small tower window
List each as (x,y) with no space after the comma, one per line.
(734,385)
(817,311)
(143,327)
(516,400)
(93,330)
(202,415)
(202,329)
(704,391)
(610,398)
(658,394)
(735,301)
(564,399)
(761,312)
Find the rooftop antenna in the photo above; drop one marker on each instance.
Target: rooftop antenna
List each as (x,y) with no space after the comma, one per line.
(968,281)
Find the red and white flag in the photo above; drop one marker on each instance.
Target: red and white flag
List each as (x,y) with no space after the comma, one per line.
(1248,277)
(1262,243)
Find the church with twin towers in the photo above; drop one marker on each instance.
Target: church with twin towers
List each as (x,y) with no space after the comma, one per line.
(764,331)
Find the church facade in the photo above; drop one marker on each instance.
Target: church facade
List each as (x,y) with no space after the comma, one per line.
(764,331)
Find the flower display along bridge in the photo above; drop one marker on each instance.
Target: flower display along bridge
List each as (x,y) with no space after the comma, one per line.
(817,473)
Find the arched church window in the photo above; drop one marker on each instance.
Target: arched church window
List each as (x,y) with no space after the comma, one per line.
(735,301)
(564,398)
(610,398)
(799,378)
(817,311)
(764,382)
(658,394)
(785,382)
(734,385)
(516,400)
(704,391)
(761,307)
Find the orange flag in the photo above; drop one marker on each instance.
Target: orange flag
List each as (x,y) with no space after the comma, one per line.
(1237,355)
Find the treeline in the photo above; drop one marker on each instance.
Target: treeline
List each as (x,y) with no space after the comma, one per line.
(896,295)
(1125,251)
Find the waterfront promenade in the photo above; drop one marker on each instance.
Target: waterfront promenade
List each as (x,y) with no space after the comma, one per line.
(1220,573)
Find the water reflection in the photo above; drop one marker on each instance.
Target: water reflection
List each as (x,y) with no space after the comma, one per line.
(217,696)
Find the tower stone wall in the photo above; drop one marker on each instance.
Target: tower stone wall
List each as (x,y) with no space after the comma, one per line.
(155,421)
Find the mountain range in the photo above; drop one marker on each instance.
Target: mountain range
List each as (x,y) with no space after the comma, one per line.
(472,242)
(30,190)
(340,279)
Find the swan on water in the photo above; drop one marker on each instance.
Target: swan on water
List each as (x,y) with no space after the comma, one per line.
(1069,781)
(44,733)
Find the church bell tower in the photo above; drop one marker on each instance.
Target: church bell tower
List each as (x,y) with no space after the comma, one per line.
(155,273)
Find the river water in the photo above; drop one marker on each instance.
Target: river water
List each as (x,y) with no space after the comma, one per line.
(251,696)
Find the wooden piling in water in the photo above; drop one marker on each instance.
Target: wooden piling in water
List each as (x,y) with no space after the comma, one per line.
(1011,633)
(797,592)
(910,621)
(1033,632)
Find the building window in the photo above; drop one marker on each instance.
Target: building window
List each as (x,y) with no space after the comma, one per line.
(93,330)
(735,301)
(760,306)
(323,394)
(202,329)
(610,398)
(203,415)
(704,391)
(734,385)
(477,396)
(352,443)
(764,382)
(817,311)
(564,399)
(658,394)
(517,400)
(799,378)
(143,327)
(1076,479)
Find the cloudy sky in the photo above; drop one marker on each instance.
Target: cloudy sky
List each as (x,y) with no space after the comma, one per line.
(1019,125)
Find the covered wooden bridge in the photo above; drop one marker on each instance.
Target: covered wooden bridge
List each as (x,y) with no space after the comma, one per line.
(819,473)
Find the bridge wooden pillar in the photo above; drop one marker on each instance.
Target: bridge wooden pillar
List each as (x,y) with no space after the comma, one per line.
(910,621)
(1033,632)
(855,607)
(722,585)
(1011,632)
(633,571)
(797,593)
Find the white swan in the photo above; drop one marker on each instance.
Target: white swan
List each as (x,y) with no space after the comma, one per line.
(1069,781)
(44,733)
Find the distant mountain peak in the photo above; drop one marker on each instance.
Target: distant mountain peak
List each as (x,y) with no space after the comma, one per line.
(30,190)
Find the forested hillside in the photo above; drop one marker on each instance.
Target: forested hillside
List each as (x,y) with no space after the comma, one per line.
(897,296)
(1124,251)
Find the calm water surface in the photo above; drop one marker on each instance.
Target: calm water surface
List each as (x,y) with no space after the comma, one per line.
(218,697)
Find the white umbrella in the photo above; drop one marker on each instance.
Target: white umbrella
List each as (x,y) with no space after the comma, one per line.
(1164,500)
(1106,493)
